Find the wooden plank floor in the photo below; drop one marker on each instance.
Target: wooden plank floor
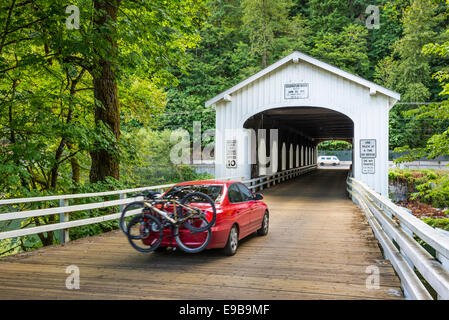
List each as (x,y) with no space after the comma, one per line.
(318,247)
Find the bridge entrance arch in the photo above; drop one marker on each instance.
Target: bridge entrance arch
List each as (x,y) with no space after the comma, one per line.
(274,120)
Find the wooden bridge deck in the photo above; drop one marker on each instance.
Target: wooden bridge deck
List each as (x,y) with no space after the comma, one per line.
(318,247)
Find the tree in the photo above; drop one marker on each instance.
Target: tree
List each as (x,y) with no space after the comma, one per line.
(105,161)
(329,16)
(413,73)
(346,50)
(264,20)
(437,144)
(333,145)
(152,37)
(409,71)
(61,89)
(175,22)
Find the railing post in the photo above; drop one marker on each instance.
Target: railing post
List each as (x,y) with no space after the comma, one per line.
(63,217)
(443,259)
(122,196)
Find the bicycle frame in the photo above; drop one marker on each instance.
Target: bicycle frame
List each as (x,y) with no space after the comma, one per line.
(166,216)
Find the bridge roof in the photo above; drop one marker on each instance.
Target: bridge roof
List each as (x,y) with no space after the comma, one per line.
(299,56)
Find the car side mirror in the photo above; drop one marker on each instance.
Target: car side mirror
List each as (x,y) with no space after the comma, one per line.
(258,196)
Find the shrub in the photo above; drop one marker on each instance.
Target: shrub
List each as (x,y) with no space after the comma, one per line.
(429,186)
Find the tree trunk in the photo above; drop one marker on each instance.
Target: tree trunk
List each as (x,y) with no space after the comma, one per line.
(106,162)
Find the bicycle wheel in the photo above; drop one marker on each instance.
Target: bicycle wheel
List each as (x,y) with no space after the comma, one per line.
(206,209)
(137,205)
(193,242)
(145,233)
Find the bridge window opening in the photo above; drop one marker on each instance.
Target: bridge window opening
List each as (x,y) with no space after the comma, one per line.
(336,153)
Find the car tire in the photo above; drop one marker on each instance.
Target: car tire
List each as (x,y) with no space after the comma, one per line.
(334,164)
(233,241)
(263,231)
(321,164)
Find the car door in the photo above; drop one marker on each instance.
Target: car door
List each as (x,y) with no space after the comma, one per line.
(241,211)
(256,212)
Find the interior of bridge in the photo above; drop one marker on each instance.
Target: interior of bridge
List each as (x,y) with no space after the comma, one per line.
(301,128)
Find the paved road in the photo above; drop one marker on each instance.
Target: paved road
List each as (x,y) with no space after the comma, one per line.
(319,247)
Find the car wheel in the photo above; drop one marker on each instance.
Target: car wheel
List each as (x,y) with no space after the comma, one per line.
(321,164)
(334,164)
(233,241)
(263,231)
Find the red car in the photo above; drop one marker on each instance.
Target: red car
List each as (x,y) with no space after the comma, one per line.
(239,214)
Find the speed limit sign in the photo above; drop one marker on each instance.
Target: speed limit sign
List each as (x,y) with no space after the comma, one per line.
(231,154)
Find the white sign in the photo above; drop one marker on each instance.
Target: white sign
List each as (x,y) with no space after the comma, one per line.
(368,166)
(231,154)
(296,91)
(367,148)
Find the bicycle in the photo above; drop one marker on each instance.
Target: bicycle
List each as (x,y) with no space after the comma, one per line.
(145,231)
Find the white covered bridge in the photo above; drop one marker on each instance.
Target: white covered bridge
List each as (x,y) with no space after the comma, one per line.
(307,101)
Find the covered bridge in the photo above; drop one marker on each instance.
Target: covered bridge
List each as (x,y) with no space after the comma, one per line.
(301,101)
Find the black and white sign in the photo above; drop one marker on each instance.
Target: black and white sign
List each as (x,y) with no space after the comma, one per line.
(367,148)
(231,154)
(368,166)
(296,91)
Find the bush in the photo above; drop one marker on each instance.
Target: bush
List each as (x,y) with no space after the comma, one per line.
(437,223)
(429,186)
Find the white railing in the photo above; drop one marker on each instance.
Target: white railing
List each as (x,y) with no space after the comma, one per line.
(397,231)
(64,209)
(270,180)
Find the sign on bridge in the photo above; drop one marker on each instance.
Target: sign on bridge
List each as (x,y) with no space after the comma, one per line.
(368,154)
(296,91)
(368,166)
(367,148)
(231,153)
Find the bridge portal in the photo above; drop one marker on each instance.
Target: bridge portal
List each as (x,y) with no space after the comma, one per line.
(274,120)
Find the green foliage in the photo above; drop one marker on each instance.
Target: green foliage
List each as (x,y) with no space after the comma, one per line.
(333,145)
(412,73)
(265,21)
(429,186)
(437,223)
(408,70)
(438,113)
(346,49)
(152,165)
(435,192)
(48,109)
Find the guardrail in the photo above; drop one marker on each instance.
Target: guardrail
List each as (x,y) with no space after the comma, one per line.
(270,180)
(398,233)
(64,209)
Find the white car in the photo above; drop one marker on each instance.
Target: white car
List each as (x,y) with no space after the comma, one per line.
(330,160)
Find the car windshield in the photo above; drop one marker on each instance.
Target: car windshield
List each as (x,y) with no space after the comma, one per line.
(178,192)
